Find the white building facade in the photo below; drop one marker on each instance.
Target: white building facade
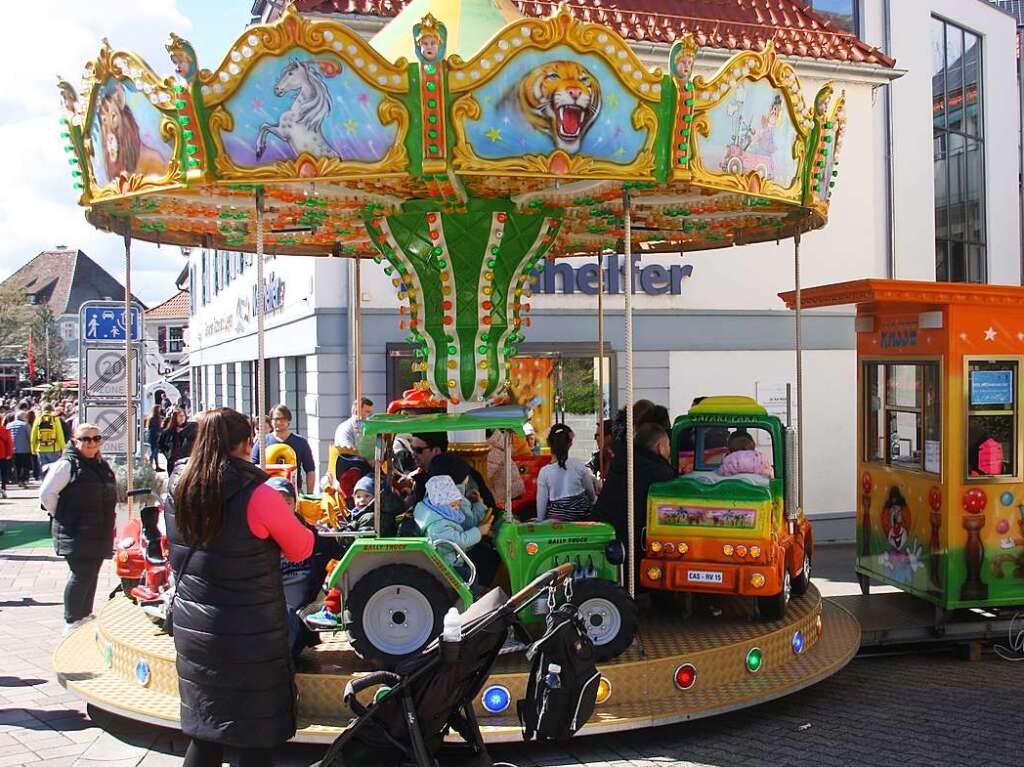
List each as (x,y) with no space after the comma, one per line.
(913,200)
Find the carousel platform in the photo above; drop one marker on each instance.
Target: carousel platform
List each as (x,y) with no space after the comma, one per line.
(122,663)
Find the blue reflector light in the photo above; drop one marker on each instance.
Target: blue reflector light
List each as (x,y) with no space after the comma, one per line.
(142,672)
(496,699)
(798,642)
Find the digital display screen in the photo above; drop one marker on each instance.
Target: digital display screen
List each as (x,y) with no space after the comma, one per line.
(991,387)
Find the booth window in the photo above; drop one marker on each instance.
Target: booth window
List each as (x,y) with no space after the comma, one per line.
(902,415)
(992,405)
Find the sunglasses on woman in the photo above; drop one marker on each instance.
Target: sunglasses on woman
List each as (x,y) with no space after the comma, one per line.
(97,439)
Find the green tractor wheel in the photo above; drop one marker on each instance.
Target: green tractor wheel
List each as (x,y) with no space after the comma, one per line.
(394,612)
(609,614)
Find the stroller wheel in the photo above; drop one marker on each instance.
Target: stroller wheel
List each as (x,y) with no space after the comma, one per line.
(395,612)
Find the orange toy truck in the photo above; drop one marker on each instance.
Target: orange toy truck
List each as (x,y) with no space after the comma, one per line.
(729,533)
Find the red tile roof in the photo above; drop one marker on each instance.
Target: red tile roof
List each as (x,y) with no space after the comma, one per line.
(175,307)
(730,24)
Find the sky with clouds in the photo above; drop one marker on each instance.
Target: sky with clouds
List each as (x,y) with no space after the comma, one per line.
(46,38)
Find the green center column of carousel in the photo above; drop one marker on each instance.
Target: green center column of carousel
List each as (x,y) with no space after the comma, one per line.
(465,276)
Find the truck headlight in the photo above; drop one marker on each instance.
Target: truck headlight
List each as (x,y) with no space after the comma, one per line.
(654,573)
(757,580)
(615,553)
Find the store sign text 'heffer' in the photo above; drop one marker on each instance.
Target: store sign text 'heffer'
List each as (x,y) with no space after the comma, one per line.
(654,279)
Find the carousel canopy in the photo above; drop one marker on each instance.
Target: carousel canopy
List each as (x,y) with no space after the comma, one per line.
(464,171)
(551,117)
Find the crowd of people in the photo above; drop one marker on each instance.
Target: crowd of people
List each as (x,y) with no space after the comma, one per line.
(33,434)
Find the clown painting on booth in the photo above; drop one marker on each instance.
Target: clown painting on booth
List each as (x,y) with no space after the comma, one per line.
(904,557)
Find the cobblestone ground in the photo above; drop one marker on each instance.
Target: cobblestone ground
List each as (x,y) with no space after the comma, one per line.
(928,709)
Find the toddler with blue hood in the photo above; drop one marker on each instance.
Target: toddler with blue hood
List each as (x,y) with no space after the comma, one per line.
(446,515)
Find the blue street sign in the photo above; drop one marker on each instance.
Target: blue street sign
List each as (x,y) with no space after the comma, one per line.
(105,322)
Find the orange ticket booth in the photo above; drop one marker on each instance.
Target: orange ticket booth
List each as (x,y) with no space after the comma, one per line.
(940,438)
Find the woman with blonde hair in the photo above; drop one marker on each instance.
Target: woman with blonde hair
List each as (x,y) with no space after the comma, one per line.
(79,492)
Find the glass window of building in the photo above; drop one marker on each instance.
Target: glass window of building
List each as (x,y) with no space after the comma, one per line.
(248,387)
(175,340)
(231,375)
(958,154)
(218,386)
(844,14)
(205,282)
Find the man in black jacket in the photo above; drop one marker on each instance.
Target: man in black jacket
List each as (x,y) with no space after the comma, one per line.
(651,454)
(430,450)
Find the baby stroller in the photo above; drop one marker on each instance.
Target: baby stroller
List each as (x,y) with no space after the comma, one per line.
(430,695)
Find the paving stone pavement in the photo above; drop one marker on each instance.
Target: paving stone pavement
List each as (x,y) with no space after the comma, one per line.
(929,710)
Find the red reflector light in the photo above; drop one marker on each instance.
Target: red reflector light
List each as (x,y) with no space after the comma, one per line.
(685,676)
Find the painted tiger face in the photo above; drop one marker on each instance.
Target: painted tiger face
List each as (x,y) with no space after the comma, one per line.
(561,99)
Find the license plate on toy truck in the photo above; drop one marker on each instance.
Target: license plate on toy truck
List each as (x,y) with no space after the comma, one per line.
(704,576)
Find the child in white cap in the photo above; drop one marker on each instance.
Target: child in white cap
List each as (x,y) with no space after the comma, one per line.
(446,515)
(362,494)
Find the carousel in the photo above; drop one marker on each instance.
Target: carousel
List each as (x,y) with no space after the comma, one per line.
(465,172)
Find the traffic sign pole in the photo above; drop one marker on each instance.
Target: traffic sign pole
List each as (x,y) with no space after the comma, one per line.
(129,365)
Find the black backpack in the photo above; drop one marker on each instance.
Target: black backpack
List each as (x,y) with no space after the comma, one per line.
(562,690)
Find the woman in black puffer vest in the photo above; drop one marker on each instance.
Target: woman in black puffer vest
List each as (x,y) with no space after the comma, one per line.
(227,532)
(80,493)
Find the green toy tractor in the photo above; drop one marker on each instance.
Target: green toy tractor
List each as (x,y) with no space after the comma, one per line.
(396,591)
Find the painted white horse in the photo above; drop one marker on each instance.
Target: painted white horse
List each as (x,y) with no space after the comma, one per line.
(301,125)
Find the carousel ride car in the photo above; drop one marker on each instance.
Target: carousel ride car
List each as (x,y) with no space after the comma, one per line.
(733,532)
(395,591)
(466,171)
